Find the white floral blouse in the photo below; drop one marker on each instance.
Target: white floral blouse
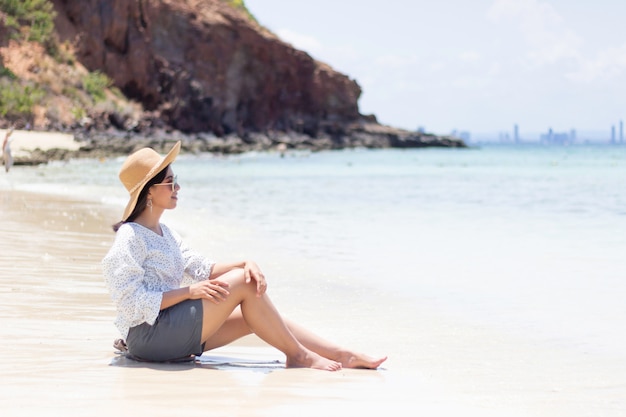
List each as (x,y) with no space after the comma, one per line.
(142,265)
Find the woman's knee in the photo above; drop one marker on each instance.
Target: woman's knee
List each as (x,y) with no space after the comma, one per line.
(237,280)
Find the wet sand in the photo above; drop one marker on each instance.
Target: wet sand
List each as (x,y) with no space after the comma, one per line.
(57,333)
(57,356)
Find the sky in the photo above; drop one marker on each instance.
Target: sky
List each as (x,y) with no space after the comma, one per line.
(480,66)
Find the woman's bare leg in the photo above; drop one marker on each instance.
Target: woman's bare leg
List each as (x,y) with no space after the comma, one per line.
(236,327)
(262,318)
(327,349)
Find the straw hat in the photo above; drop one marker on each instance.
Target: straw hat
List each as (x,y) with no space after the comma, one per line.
(139,168)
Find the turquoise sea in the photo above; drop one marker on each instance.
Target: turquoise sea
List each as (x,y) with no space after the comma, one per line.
(522,241)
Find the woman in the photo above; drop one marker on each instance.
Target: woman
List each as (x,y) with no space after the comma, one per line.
(162,320)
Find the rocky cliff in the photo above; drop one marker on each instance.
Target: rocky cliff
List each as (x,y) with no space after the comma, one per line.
(206,71)
(203,65)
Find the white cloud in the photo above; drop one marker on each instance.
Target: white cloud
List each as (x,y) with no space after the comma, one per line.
(494,69)
(341,57)
(394,62)
(305,43)
(469,56)
(543,30)
(469,82)
(548,40)
(436,66)
(609,63)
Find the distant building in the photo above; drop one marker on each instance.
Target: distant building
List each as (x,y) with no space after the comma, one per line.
(613,134)
(516,138)
(465,136)
(558,138)
(504,137)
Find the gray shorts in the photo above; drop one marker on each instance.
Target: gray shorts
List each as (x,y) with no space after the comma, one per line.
(176,334)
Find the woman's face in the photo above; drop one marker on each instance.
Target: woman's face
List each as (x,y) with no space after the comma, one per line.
(165,194)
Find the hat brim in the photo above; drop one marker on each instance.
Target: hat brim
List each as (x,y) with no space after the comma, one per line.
(134,196)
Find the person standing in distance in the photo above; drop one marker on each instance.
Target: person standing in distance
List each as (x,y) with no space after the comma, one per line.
(7,158)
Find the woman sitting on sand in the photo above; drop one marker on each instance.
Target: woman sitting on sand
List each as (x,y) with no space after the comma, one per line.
(162,321)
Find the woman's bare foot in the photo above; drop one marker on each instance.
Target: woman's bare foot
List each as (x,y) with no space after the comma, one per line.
(360,360)
(312,360)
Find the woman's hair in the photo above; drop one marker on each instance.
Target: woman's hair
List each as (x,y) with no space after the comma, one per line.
(142,200)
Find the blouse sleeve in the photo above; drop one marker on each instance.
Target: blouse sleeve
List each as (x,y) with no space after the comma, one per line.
(197,266)
(123,273)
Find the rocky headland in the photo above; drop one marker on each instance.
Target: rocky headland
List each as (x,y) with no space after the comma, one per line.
(203,71)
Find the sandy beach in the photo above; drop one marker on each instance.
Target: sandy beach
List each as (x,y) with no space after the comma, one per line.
(58,360)
(22,142)
(57,334)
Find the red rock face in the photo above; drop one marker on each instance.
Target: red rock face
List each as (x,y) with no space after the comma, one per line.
(204,66)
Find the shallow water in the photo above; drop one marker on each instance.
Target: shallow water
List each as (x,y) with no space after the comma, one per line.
(526,241)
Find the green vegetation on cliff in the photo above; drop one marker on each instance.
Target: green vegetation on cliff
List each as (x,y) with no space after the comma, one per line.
(240,4)
(17,100)
(17,97)
(25,21)
(55,88)
(30,20)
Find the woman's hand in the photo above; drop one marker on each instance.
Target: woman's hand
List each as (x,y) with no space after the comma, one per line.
(252,272)
(213,290)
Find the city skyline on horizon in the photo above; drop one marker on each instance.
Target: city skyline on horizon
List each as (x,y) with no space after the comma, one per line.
(615,133)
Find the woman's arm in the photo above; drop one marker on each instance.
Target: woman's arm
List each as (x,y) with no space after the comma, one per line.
(222,268)
(124,275)
(213,290)
(250,269)
(174,297)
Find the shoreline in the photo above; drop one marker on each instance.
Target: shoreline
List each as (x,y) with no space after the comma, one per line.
(34,148)
(58,331)
(38,147)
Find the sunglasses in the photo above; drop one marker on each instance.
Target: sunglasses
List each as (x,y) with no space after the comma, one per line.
(172,184)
